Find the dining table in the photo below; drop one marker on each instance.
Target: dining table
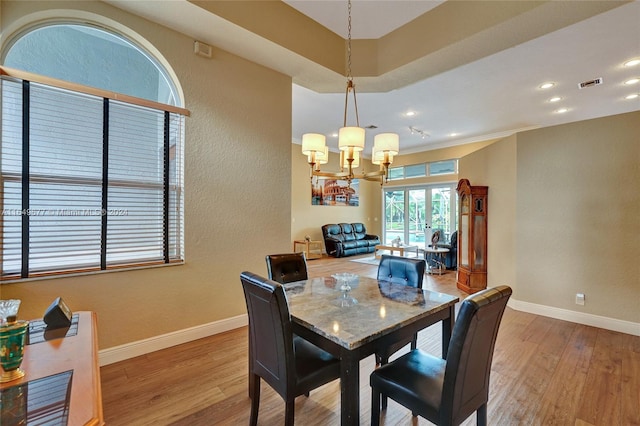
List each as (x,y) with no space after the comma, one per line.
(354,321)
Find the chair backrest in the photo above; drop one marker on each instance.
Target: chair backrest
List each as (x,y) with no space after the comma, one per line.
(270,332)
(286,268)
(401,270)
(466,378)
(454,240)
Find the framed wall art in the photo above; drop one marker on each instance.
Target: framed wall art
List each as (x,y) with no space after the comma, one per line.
(332,192)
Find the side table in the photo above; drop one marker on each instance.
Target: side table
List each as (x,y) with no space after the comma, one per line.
(438,260)
(312,248)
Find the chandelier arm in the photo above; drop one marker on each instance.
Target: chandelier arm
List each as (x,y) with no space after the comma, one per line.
(334,175)
(355,103)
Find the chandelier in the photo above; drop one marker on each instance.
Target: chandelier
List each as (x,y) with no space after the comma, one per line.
(351,141)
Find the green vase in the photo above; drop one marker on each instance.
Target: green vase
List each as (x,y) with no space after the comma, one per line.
(12,338)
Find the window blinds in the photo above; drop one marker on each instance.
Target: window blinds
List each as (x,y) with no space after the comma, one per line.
(88,183)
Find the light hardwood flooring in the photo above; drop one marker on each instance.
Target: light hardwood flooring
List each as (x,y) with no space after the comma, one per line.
(545,372)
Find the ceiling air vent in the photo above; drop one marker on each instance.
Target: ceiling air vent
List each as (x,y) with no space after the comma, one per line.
(590,83)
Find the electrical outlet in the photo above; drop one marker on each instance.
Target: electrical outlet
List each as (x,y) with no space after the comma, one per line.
(580,299)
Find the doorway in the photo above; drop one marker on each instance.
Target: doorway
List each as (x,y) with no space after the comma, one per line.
(412,213)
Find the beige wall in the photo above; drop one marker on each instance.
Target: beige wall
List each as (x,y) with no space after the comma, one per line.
(495,167)
(572,210)
(578,216)
(307,219)
(237,195)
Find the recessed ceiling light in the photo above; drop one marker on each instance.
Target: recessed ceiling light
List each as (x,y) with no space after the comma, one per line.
(562,110)
(410,113)
(632,63)
(547,85)
(632,81)
(334,135)
(453,134)
(633,96)
(555,99)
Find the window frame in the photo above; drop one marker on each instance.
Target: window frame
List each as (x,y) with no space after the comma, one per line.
(427,168)
(8,73)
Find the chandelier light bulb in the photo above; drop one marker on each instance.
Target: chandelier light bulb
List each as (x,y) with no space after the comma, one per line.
(355,163)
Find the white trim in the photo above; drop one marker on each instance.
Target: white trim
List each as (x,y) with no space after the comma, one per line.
(607,323)
(163,341)
(152,344)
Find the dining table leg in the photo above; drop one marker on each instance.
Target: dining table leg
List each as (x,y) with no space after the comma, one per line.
(349,388)
(447,330)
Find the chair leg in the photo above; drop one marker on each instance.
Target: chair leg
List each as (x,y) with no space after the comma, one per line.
(481,415)
(375,407)
(289,412)
(384,402)
(414,342)
(254,386)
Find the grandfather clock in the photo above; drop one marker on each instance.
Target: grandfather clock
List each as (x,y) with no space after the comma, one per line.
(472,237)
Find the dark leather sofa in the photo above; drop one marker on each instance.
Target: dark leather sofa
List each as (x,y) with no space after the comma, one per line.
(348,239)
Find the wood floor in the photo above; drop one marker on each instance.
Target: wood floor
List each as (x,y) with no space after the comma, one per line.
(545,372)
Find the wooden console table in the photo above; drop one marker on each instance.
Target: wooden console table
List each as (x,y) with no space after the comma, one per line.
(73,356)
(312,248)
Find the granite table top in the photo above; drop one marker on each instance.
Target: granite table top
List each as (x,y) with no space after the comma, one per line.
(370,310)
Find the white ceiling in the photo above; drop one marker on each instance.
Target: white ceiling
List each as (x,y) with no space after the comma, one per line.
(369,18)
(495,96)
(491,97)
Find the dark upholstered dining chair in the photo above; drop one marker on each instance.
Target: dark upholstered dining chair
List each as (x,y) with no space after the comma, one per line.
(291,365)
(405,271)
(286,268)
(446,392)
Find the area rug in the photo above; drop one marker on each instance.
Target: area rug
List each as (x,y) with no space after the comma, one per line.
(368,260)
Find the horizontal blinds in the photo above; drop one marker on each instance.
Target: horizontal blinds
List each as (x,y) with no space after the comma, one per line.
(11,167)
(176,201)
(135,195)
(89,166)
(65,175)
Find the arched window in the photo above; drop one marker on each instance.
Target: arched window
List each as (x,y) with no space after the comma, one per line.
(93,57)
(91,179)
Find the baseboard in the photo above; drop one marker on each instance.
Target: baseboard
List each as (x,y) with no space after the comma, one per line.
(142,347)
(152,344)
(613,324)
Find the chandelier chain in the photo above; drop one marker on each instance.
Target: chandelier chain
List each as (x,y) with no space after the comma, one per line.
(349,76)
(350,85)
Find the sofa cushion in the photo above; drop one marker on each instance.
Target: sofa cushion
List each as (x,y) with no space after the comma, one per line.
(359,230)
(334,231)
(347,232)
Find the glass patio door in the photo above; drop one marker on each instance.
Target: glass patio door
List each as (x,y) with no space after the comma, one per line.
(408,212)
